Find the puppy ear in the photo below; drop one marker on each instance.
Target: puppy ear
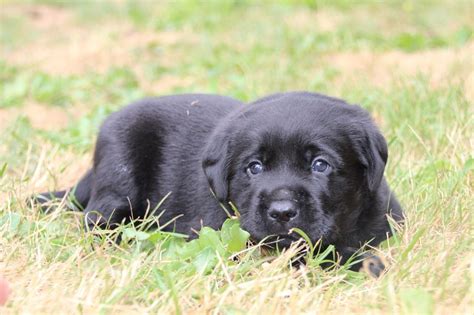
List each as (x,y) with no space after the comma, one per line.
(372,152)
(377,154)
(216,165)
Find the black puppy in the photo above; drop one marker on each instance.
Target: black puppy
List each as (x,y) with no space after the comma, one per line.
(290,160)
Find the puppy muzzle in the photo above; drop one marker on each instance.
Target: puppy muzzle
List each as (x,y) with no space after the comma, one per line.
(280,207)
(283,211)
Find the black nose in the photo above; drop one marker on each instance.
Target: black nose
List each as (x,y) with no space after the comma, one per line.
(282,210)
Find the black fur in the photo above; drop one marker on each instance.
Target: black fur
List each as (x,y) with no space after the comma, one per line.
(187,144)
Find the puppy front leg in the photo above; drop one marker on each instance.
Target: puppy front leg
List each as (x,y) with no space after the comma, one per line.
(106,214)
(367,262)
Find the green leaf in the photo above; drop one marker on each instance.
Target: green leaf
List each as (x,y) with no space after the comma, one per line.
(186,251)
(234,238)
(210,238)
(205,261)
(131,233)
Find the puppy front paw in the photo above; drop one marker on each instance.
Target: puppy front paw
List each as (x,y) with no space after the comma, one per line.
(373,265)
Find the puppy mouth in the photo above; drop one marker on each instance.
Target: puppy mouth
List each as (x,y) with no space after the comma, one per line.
(281,240)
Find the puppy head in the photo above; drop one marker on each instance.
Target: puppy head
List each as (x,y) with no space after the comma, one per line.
(296,160)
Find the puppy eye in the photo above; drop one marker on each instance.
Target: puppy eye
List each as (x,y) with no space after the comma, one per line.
(254,168)
(320,166)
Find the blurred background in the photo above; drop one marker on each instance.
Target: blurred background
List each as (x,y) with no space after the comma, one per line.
(60,60)
(65,65)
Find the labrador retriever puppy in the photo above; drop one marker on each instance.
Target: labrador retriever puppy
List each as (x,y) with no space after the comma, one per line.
(289,160)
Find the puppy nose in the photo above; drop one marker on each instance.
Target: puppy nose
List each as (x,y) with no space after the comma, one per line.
(282,210)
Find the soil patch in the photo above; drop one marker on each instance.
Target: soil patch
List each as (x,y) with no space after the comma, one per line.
(40,116)
(62,46)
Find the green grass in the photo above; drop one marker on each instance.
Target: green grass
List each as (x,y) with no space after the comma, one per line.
(408,62)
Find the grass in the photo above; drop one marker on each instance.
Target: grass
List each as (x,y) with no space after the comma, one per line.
(65,66)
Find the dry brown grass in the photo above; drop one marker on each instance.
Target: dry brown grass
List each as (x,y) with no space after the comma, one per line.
(382,69)
(65,46)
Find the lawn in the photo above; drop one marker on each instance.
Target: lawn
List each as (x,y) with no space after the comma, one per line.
(64,66)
